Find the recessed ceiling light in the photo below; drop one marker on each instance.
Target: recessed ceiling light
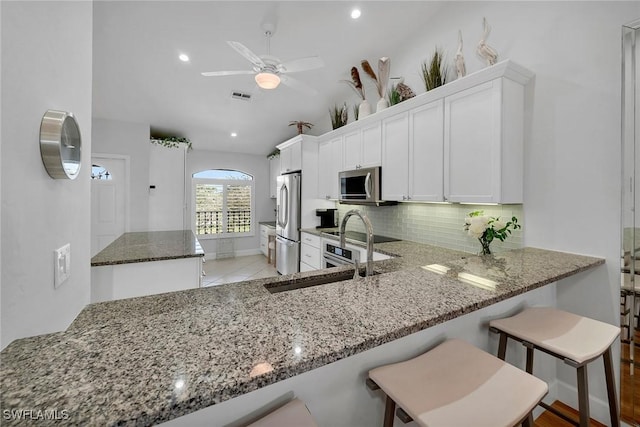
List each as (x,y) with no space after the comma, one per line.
(233,134)
(355,13)
(183,57)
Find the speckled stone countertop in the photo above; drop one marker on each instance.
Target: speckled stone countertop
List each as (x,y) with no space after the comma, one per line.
(149,246)
(142,361)
(271,224)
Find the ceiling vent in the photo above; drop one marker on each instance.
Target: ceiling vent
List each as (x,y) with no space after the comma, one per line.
(240,95)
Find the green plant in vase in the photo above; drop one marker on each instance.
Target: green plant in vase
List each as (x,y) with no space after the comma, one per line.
(487,228)
(434,72)
(394,96)
(339,116)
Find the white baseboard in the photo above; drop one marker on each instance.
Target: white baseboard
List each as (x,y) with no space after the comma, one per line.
(246,252)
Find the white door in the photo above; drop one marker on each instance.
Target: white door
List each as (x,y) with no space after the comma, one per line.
(108,197)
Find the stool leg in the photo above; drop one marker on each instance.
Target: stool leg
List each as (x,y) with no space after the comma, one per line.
(502,346)
(530,360)
(611,388)
(389,412)
(528,422)
(583,396)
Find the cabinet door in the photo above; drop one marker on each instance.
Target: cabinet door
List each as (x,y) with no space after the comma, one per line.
(371,146)
(324,172)
(296,156)
(335,166)
(274,171)
(352,147)
(395,157)
(285,160)
(472,157)
(426,145)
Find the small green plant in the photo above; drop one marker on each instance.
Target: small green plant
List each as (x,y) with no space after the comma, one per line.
(273,154)
(339,116)
(394,96)
(434,72)
(171,142)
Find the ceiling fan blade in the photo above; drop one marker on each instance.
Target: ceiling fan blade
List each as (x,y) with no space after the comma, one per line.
(302,64)
(247,53)
(297,85)
(226,73)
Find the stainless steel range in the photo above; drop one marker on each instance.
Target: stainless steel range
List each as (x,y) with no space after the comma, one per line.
(335,256)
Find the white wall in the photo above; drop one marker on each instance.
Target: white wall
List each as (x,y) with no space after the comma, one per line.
(572,154)
(130,139)
(46,64)
(256,165)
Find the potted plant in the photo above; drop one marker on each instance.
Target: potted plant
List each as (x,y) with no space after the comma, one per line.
(486,228)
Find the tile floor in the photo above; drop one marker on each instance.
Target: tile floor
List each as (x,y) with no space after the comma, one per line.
(237,269)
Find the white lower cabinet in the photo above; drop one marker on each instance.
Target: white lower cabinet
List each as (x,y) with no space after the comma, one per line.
(264,239)
(310,252)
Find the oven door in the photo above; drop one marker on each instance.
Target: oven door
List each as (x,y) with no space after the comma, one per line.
(329,260)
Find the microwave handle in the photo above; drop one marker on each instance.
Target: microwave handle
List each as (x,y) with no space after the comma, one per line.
(367,185)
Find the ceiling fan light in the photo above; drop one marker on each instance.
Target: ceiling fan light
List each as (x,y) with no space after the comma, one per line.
(267,80)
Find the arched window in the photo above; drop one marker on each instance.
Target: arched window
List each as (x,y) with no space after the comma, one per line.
(99,172)
(223,202)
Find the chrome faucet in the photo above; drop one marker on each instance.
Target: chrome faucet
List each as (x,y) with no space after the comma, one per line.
(369,227)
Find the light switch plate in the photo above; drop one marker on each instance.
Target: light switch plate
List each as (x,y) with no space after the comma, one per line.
(61,265)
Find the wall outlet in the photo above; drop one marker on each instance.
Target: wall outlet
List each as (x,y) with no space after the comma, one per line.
(61,265)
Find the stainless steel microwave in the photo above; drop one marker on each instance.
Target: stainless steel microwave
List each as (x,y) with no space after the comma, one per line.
(361,187)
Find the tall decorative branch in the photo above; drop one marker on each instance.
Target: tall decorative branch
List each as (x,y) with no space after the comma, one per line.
(355,83)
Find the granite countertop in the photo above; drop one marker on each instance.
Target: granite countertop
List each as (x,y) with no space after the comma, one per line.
(270,224)
(149,246)
(142,361)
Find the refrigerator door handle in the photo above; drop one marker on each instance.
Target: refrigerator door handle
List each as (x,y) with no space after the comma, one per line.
(284,241)
(283,209)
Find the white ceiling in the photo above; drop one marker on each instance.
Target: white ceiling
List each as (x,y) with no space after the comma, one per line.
(138,77)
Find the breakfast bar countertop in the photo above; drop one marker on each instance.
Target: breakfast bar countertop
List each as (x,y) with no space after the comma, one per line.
(147,246)
(147,360)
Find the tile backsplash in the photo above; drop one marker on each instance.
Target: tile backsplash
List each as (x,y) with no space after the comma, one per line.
(435,224)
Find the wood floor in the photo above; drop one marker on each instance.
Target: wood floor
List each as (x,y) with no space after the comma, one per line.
(629,383)
(547,419)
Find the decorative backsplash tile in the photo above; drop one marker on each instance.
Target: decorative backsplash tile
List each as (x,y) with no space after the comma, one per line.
(435,224)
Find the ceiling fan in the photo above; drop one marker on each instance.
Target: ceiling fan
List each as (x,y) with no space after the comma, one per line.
(270,71)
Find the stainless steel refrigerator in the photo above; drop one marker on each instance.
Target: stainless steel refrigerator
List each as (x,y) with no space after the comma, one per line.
(288,223)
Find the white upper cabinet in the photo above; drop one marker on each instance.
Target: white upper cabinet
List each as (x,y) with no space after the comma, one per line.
(412,147)
(329,165)
(426,145)
(483,134)
(291,156)
(274,171)
(363,147)
(395,157)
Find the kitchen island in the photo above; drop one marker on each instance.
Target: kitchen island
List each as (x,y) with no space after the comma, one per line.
(146,263)
(149,360)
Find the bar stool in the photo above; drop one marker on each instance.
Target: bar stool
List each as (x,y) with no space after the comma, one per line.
(457,384)
(575,339)
(293,414)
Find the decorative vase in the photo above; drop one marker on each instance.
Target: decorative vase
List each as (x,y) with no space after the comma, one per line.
(486,250)
(364,109)
(382,104)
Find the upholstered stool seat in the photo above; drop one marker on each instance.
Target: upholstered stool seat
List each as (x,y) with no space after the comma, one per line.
(293,414)
(457,384)
(575,339)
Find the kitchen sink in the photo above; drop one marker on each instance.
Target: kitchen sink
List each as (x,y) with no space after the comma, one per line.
(306,282)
